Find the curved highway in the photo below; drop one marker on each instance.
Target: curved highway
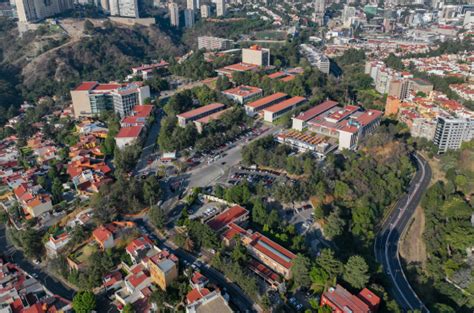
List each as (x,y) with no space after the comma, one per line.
(387,241)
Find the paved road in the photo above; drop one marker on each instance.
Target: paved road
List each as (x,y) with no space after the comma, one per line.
(237,296)
(208,174)
(150,142)
(17,257)
(51,283)
(387,241)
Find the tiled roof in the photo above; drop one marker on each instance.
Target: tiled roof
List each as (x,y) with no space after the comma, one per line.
(201,110)
(268,99)
(129,132)
(226,217)
(285,104)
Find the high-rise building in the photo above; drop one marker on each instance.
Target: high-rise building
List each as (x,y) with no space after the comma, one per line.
(191,4)
(450,133)
(188,18)
(319,6)
(174,14)
(220,7)
(347,15)
(205,11)
(256,55)
(125,8)
(36,10)
(92,98)
(214,43)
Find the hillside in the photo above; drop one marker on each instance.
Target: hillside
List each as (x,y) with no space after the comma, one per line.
(51,60)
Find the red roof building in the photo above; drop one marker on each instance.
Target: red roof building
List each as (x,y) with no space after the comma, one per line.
(196,294)
(342,301)
(243,94)
(254,107)
(270,253)
(189,116)
(235,214)
(277,110)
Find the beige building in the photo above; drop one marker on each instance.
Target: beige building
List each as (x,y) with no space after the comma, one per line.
(205,11)
(220,7)
(163,270)
(256,55)
(174,14)
(403,88)
(214,43)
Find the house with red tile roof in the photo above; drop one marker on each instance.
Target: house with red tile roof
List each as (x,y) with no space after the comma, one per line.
(107,235)
(206,301)
(341,300)
(129,136)
(33,199)
(136,286)
(198,280)
(140,248)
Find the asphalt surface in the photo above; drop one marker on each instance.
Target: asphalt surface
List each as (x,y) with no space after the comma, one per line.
(52,284)
(387,241)
(150,142)
(15,256)
(237,296)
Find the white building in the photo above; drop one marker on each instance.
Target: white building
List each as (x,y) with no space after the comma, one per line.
(220,7)
(205,11)
(214,43)
(125,8)
(315,58)
(450,133)
(256,55)
(174,14)
(348,15)
(191,4)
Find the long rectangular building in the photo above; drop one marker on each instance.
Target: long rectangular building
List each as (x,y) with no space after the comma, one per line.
(299,122)
(256,106)
(277,110)
(190,116)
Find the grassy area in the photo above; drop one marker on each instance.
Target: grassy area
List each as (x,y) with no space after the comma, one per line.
(82,255)
(270,35)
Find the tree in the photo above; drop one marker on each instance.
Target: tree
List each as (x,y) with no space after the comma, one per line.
(84,302)
(151,190)
(300,269)
(394,62)
(157,216)
(356,272)
(88,27)
(335,225)
(327,261)
(128,308)
(57,190)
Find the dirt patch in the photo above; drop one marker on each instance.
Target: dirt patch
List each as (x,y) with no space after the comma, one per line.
(412,247)
(436,171)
